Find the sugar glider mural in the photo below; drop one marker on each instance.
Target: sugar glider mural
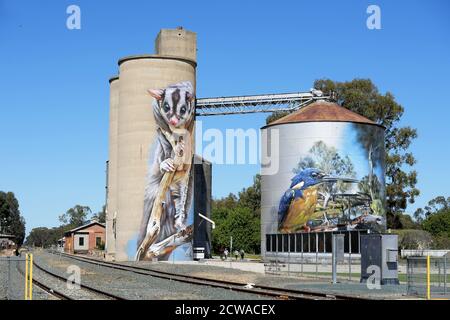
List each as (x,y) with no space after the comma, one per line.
(339,185)
(167,223)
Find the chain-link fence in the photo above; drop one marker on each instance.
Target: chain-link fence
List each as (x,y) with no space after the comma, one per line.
(12,279)
(428,277)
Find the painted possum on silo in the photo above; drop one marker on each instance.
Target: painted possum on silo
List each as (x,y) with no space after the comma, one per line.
(168,193)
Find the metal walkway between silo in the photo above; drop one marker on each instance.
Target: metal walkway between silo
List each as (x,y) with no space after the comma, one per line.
(257,103)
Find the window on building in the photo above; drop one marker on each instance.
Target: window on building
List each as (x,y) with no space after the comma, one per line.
(98,241)
(81,241)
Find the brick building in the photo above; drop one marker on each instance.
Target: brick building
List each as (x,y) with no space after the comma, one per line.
(86,238)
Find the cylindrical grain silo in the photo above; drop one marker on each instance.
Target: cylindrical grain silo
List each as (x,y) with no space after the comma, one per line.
(111,202)
(136,131)
(323,170)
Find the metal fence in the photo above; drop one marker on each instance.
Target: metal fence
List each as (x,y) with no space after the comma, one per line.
(309,255)
(312,242)
(428,277)
(12,279)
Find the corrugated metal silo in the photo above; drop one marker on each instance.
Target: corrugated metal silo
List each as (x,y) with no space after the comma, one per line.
(326,173)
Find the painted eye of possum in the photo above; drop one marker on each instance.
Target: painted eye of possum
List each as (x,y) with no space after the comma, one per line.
(167,108)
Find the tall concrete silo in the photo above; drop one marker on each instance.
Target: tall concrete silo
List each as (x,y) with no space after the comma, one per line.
(137,128)
(111,209)
(177,42)
(326,173)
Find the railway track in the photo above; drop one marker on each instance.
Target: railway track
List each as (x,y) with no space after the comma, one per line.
(278,293)
(53,292)
(82,286)
(58,293)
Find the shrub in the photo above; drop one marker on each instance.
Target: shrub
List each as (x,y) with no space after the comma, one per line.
(414,239)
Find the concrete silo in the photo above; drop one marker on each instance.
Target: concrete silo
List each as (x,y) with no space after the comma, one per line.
(111,209)
(178,42)
(137,127)
(325,173)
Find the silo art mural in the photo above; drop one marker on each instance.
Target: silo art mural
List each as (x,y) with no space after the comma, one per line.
(336,181)
(167,221)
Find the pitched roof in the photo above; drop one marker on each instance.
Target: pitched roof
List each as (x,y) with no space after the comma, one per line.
(323,111)
(85,226)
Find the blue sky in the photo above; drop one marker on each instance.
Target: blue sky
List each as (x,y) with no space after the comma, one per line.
(54,89)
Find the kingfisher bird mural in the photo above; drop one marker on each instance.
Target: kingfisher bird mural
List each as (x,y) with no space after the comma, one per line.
(298,203)
(329,192)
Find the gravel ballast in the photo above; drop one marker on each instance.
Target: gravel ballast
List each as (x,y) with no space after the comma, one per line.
(135,286)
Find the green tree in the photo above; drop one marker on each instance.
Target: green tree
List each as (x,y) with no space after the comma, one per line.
(76,216)
(39,237)
(418,215)
(242,225)
(435,218)
(434,206)
(45,237)
(405,221)
(251,197)
(438,224)
(276,115)
(101,215)
(363,97)
(229,202)
(441,242)
(11,221)
(238,217)
(414,239)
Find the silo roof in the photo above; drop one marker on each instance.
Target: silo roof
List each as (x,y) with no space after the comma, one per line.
(156,56)
(323,111)
(113,79)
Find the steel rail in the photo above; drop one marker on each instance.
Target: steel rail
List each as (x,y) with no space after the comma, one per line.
(84,286)
(45,288)
(275,292)
(237,286)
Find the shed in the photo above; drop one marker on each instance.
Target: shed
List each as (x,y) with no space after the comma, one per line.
(85,238)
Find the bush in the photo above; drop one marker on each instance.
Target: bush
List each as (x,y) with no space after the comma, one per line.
(438,224)
(241,224)
(441,242)
(101,246)
(414,239)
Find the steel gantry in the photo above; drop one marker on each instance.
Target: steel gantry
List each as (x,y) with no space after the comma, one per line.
(257,103)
